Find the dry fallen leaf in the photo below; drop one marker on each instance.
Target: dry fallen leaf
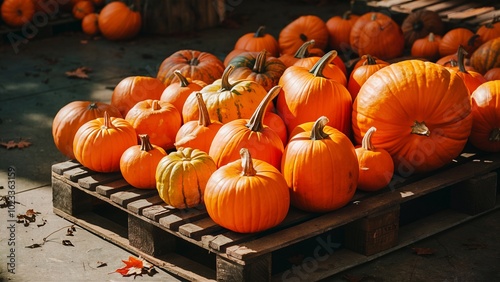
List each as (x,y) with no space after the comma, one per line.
(423,251)
(81,72)
(21,144)
(136,266)
(9,145)
(67,243)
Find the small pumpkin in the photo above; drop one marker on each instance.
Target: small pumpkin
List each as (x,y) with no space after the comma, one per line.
(83,8)
(457,37)
(90,24)
(117,21)
(182,176)
(376,166)
(99,143)
(300,30)
(320,168)
(339,29)
(472,79)
(485,133)
(427,47)
(138,163)
(258,41)
(16,13)
(159,119)
(419,24)
(247,195)
(492,74)
(177,92)
(360,74)
(133,89)
(487,56)
(305,50)
(490,30)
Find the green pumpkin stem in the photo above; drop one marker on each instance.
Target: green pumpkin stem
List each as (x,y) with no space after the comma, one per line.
(256,122)
(225,85)
(260,62)
(247,163)
(303,51)
(320,65)
(366,142)
(182,79)
(317,132)
(420,128)
(370,60)
(145,143)
(495,135)
(204,117)
(461,59)
(260,32)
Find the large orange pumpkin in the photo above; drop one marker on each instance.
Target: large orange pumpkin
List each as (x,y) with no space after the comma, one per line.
(133,89)
(321,168)
(70,117)
(485,134)
(421,111)
(300,30)
(247,195)
(117,21)
(16,13)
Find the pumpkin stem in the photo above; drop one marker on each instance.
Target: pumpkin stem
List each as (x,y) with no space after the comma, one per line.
(373,17)
(431,37)
(247,163)
(366,142)
(204,117)
(155,106)
(461,59)
(256,122)
(420,128)
(303,51)
(225,85)
(495,135)
(183,80)
(303,37)
(92,106)
(472,40)
(145,143)
(260,62)
(317,132)
(107,121)
(320,65)
(347,15)
(260,31)
(370,60)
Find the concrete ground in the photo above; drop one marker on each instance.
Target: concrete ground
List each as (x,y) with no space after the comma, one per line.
(33,87)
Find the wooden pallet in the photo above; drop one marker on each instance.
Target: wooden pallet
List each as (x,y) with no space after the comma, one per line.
(305,247)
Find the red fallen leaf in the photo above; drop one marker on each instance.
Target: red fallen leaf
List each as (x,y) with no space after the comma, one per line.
(134,266)
(9,145)
(23,144)
(81,72)
(423,251)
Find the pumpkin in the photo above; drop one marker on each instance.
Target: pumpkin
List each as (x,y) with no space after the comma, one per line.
(133,89)
(90,24)
(159,119)
(260,67)
(339,30)
(300,30)
(487,56)
(192,64)
(361,73)
(198,134)
(258,41)
(308,94)
(331,70)
(421,111)
(182,176)
(472,79)
(377,34)
(320,168)
(99,143)
(262,141)
(275,122)
(419,24)
(451,61)
(70,117)
(117,21)
(177,93)
(138,163)
(492,74)
(247,195)
(457,37)
(485,134)
(363,60)
(16,13)
(83,8)
(376,167)
(427,47)
(226,101)
(490,30)
(304,51)
(232,54)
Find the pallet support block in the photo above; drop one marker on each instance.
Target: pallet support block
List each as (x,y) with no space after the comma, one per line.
(70,199)
(374,233)
(256,270)
(475,195)
(149,238)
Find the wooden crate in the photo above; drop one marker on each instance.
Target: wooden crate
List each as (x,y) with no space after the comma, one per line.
(304,247)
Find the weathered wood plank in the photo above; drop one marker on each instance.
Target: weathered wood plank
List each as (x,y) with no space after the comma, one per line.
(78,172)
(149,238)
(137,206)
(174,220)
(155,212)
(199,228)
(90,182)
(112,187)
(62,167)
(123,198)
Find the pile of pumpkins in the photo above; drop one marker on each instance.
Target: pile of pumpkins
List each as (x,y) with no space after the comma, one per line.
(281,122)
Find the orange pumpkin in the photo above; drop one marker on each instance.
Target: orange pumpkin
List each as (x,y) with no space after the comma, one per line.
(339,29)
(360,74)
(457,37)
(485,134)
(83,8)
(304,51)
(177,93)
(258,41)
(472,79)
(158,119)
(262,141)
(492,74)
(247,195)
(300,30)
(427,47)
(331,70)
(321,168)
(90,24)
(16,13)
(421,23)
(133,89)
(117,21)
(138,163)
(99,143)
(489,31)
(376,167)
(421,111)
(487,56)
